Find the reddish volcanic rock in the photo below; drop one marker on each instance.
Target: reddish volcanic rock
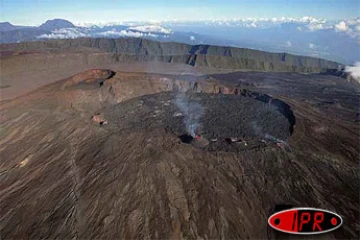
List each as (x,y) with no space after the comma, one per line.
(98,118)
(200,141)
(89,76)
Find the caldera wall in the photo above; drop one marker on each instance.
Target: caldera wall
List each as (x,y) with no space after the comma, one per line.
(97,88)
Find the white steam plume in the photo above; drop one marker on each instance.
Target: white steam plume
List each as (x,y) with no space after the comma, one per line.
(192,112)
(354,71)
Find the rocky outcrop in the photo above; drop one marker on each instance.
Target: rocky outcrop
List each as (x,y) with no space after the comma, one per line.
(98,75)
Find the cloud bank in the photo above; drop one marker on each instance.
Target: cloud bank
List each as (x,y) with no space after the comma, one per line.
(64,33)
(354,71)
(350,27)
(151,29)
(125,33)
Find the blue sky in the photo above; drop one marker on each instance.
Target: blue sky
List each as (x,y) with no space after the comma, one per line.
(34,12)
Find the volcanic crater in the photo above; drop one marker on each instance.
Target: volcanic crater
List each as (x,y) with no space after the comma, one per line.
(226,122)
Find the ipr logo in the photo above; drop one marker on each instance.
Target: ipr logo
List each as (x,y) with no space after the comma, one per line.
(305,221)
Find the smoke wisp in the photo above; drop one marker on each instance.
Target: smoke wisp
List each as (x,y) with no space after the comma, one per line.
(259,131)
(192,112)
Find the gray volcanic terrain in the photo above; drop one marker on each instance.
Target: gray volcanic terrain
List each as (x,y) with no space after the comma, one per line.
(192,151)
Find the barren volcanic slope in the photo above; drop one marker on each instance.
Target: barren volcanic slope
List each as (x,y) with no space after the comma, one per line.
(121,155)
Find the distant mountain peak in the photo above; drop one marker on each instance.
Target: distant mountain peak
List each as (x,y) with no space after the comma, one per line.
(6,26)
(6,23)
(56,24)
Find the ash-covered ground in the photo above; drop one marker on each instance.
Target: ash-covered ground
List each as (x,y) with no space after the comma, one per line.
(67,172)
(217,117)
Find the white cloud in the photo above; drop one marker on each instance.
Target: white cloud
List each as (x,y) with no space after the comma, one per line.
(341,26)
(192,38)
(312,46)
(308,19)
(64,33)
(126,33)
(312,24)
(151,29)
(253,25)
(353,21)
(99,24)
(354,70)
(85,24)
(349,27)
(288,43)
(307,22)
(315,27)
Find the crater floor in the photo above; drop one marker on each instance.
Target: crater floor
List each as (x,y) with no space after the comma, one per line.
(216,117)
